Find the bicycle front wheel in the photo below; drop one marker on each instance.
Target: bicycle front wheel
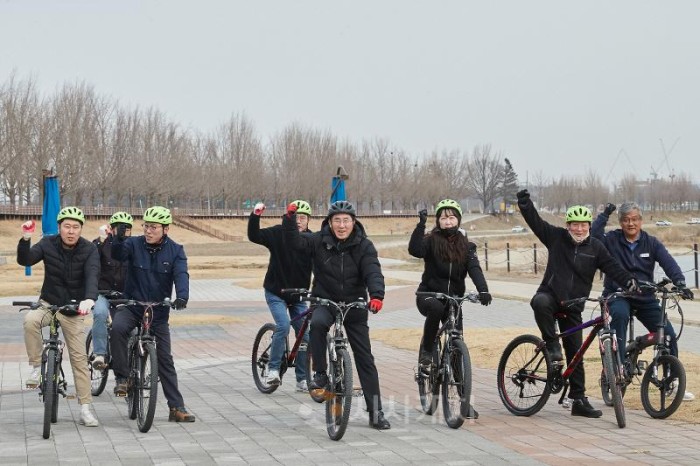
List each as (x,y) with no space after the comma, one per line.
(339,404)
(260,359)
(524,376)
(429,380)
(663,386)
(147,387)
(457,385)
(132,395)
(613,375)
(50,391)
(98,379)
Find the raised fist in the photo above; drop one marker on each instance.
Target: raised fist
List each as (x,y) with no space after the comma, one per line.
(523,196)
(423,216)
(259,208)
(609,209)
(291,209)
(28,228)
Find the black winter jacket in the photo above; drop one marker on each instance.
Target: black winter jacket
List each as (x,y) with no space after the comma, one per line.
(445,277)
(343,270)
(288,267)
(112,271)
(571,267)
(69,274)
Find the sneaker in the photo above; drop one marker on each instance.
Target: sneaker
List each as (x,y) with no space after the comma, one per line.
(687,396)
(34,377)
(426,358)
(120,388)
(86,417)
(554,350)
(378,421)
(180,415)
(567,402)
(99,363)
(273,377)
(302,386)
(581,407)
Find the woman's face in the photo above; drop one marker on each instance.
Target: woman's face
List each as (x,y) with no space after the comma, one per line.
(448,219)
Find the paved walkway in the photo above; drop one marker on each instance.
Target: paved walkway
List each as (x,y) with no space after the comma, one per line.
(238,425)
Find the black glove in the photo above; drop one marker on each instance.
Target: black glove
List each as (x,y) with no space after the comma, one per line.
(609,209)
(684,290)
(523,196)
(423,216)
(180,303)
(121,231)
(631,286)
(485,298)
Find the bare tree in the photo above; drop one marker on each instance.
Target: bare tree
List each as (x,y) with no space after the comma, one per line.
(485,174)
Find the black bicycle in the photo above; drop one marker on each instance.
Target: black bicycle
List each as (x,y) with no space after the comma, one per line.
(260,359)
(142,381)
(98,377)
(451,366)
(53,381)
(664,380)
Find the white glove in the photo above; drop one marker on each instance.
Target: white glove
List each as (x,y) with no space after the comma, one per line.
(259,208)
(104,231)
(28,228)
(85,306)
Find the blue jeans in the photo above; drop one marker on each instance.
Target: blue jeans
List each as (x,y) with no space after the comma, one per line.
(648,313)
(278,309)
(100,312)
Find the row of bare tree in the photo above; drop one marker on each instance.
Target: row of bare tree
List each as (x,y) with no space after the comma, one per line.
(106,154)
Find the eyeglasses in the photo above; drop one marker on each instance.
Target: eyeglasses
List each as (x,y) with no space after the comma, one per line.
(149,227)
(631,220)
(341,221)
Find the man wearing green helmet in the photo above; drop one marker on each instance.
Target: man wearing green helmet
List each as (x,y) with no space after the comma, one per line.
(573,259)
(287,269)
(155,264)
(71,268)
(112,277)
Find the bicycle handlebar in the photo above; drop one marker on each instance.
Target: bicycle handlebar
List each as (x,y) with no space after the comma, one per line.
(111,295)
(472,296)
(66,309)
(132,302)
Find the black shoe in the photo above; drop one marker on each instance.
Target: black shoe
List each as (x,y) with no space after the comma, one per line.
(581,407)
(426,358)
(120,388)
(554,350)
(473,413)
(378,421)
(320,381)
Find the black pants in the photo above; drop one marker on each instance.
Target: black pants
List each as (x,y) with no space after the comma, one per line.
(435,312)
(545,306)
(126,320)
(357,331)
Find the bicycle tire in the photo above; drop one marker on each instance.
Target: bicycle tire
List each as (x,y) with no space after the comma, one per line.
(50,392)
(613,375)
(339,404)
(132,395)
(605,389)
(98,379)
(659,377)
(524,373)
(315,395)
(147,387)
(457,385)
(429,383)
(260,358)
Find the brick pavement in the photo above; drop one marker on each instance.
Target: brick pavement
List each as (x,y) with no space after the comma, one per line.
(238,425)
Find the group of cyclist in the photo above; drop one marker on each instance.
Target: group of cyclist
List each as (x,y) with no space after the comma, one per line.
(345,267)
(144,268)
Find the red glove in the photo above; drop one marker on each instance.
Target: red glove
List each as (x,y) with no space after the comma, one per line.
(291,209)
(28,228)
(375,305)
(259,208)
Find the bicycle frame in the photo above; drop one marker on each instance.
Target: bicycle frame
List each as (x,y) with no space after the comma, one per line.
(292,356)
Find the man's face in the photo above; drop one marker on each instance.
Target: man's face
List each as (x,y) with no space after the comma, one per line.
(579,230)
(302,222)
(154,232)
(631,224)
(70,230)
(342,225)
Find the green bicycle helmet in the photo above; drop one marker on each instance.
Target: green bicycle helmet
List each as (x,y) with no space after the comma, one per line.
(121,217)
(72,213)
(578,213)
(158,214)
(303,207)
(448,204)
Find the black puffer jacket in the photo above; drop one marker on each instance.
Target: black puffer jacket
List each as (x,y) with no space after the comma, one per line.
(445,277)
(343,270)
(69,274)
(571,267)
(112,271)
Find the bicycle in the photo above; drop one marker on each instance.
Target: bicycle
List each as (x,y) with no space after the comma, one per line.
(98,378)
(53,381)
(665,375)
(527,374)
(142,381)
(262,344)
(450,367)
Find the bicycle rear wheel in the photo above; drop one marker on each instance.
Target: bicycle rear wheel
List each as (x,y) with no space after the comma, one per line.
(613,376)
(338,406)
(147,387)
(524,376)
(50,391)
(429,381)
(260,359)
(663,386)
(457,385)
(315,395)
(98,379)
